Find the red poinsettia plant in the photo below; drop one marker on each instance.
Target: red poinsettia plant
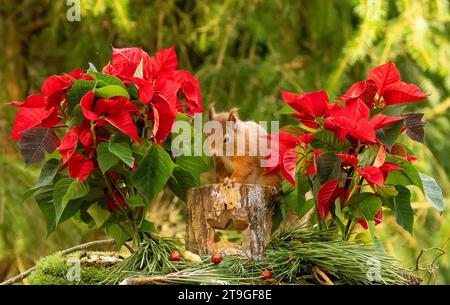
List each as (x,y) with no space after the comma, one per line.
(103,137)
(349,155)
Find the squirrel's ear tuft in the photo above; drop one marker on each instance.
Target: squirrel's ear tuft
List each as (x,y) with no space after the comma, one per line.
(233,115)
(212,111)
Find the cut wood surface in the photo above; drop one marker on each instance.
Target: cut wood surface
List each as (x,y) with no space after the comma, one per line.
(247,208)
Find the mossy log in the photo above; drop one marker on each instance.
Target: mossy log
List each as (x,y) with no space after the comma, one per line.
(247,208)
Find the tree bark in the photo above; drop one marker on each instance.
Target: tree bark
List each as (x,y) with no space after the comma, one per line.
(247,208)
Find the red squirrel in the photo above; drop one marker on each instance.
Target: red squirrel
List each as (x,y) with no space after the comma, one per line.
(243,164)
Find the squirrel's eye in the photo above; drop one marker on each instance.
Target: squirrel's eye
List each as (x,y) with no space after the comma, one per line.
(226,139)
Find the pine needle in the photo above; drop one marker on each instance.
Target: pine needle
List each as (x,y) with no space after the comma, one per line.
(295,255)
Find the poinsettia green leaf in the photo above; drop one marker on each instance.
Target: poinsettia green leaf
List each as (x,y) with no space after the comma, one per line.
(278,216)
(302,205)
(99,214)
(328,141)
(328,167)
(432,192)
(367,157)
(46,178)
(390,110)
(387,193)
(377,244)
(119,235)
(106,159)
(404,214)
(142,148)
(135,201)
(72,209)
(302,187)
(44,200)
(105,79)
(147,226)
(293,130)
(77,91)
(65,190)
(310,129)
(398,178)
(121,170)
(286,110)
(111,91)
(364,205)
(180,182)
(290,194)
(54,155)
(133,91)
(153,172)
(48,173)
(408,170)
(389,134)
(195,165)
(121,151)
(82,215)
(76,117)
(96,189)
(294,199)
(183,117)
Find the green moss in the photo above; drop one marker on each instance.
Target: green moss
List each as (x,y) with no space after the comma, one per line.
(56,269)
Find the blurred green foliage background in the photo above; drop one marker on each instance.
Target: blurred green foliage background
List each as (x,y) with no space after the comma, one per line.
(243,53)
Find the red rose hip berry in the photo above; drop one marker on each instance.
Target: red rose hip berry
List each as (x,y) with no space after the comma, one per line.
(216,258)
(266,274)
(174,256)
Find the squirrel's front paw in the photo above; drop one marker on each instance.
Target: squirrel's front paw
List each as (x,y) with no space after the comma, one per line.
(228,181)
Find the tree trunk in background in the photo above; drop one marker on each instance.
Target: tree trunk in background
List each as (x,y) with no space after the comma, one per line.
(243,207)
(13,78)
(14,73)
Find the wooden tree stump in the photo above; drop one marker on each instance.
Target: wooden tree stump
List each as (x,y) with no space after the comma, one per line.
(247,208)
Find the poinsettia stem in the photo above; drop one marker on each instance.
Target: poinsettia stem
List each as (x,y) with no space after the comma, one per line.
(356,186)
(347,229)
(319,221)
(144,131)
(119,189)
(299,163)
(349,178)
(356,189)
(358,147)
(134,229)
(351,173)
(142,212)
(94,136)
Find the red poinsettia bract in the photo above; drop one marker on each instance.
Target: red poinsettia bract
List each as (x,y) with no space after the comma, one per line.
(383,88)
(162,88)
